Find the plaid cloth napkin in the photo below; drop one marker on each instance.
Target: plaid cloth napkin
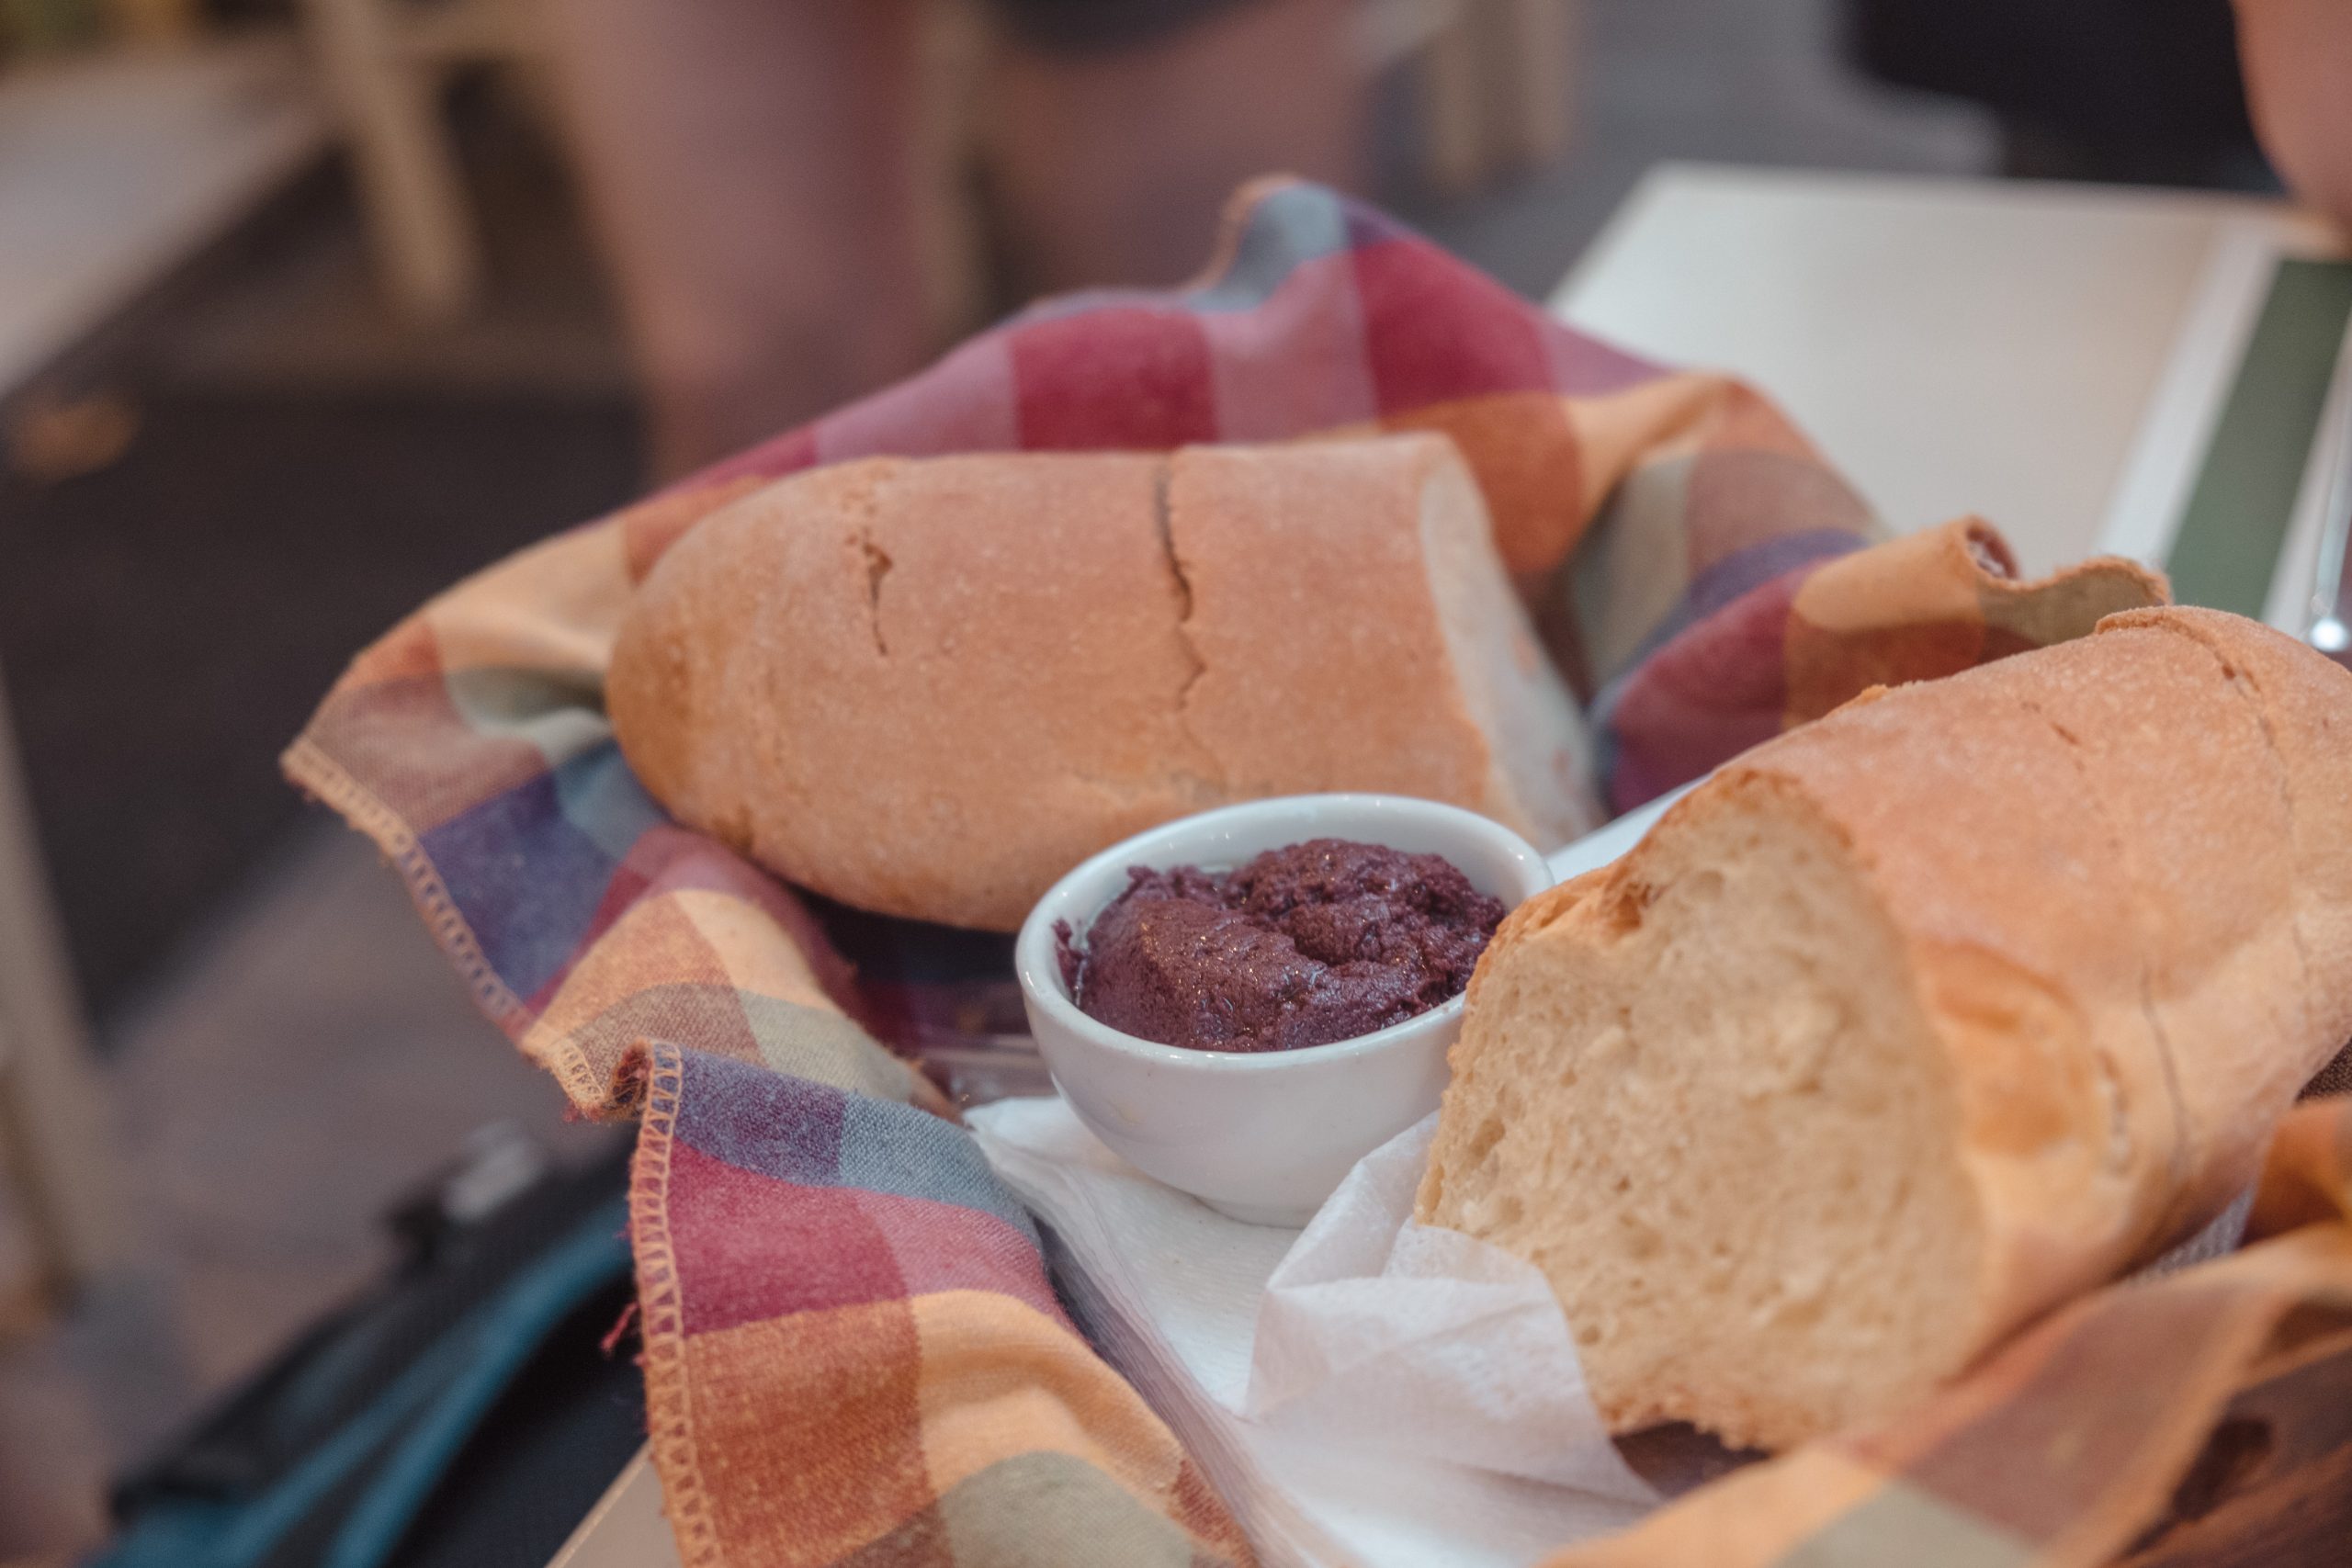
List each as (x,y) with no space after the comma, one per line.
(2076,1438)
(852,1352)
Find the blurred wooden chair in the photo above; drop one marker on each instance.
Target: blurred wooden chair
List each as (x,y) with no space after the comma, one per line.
(1492,83)
(1491,79)
(55,1154)
(385,63)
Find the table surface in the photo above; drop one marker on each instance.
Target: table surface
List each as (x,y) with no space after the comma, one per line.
(1954,347)
(626,1529)
(116,168)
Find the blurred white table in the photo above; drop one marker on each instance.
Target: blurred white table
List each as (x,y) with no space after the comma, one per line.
(1954,346)
(115,168)
(2016,351)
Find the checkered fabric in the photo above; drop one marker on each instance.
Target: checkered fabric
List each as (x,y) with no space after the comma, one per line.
(852,1351)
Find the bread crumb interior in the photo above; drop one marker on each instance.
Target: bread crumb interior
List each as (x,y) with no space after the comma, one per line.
(1740,1130)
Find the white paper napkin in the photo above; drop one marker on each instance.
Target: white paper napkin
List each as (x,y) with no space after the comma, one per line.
(1367,1391)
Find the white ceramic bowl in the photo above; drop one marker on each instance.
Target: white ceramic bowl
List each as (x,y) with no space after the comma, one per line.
(1265,1135)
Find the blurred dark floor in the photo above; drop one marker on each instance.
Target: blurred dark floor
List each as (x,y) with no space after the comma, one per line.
(176,617)
(286,1050)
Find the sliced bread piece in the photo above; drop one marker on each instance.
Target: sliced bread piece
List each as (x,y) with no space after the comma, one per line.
(1909,1024)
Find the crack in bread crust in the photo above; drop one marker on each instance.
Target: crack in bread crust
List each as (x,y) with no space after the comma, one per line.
(878,567)
(1164,519)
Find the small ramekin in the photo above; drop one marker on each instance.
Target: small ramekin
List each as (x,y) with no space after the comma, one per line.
(1263,1136)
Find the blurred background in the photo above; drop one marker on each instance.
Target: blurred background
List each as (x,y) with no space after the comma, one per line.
(308,309)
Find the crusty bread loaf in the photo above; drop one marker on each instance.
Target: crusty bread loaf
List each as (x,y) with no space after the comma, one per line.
(1915,1020)
(930,687)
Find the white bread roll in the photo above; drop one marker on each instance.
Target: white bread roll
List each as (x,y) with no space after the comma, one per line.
(1914,1021)
(930,687)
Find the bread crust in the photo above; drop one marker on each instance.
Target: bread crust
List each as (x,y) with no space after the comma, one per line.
(930,687)
(2300,701)
(1269,537)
